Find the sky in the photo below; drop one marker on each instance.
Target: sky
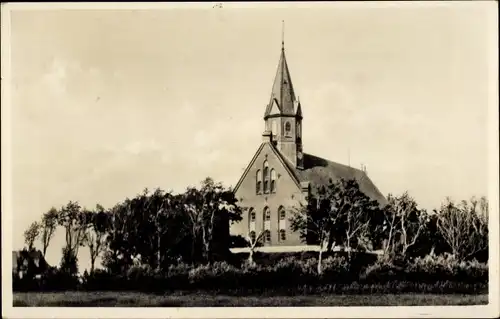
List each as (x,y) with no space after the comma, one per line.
(107,102)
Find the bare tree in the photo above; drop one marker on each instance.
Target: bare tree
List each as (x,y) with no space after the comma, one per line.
(404,223)
(48,228)
(252,243)
(31,234)
(463,227)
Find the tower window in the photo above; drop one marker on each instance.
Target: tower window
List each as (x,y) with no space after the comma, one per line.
(273,180)
(252,236)
(258,182)
(282,234)
(288,128)
(298,129)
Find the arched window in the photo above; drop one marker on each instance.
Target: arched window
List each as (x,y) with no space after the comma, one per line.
(282,213)
(288,128)
(273,180)
(258,182)
(298,129)
(268,235)
(251,215)
(282,234)
(267,214)
(265,174)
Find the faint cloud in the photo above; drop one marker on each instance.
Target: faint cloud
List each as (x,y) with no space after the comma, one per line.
(137,147)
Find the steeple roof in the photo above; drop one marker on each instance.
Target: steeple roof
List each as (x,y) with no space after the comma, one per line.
(282,95)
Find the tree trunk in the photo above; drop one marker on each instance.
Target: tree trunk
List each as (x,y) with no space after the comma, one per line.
(92,264)
(348,247)
(250,257)
(320,259)
(329,247)
(158,254)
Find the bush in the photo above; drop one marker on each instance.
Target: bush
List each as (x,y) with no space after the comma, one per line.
(433,268)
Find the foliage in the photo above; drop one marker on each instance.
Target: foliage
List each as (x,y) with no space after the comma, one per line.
(69,262)
(339,214)
(31,234)
(48,226)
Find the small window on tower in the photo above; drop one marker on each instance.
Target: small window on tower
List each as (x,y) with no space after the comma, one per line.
(288,128)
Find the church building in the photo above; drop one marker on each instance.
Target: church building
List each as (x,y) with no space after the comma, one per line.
(280,175)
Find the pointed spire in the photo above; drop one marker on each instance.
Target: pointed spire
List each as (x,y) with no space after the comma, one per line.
(283,95)
(282,35)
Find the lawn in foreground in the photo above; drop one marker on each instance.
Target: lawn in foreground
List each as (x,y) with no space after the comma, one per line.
(136,299)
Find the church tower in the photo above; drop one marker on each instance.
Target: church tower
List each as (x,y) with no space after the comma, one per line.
(283,116)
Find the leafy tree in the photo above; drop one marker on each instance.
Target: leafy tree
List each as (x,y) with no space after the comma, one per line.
(73,220)
(150,228)
(95,233)
(338,214)
(31,234)
(315,221)
(210,210)
(48,227)
(464,226)
(69,262)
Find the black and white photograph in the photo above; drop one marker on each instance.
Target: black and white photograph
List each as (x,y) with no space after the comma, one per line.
(192,160)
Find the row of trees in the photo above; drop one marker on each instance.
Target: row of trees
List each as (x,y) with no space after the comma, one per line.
(340,214)
(151,229)
(157,229)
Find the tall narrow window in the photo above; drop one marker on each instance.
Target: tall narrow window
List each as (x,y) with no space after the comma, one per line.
(298,129)
(252,236)
(273,180)
(265,174)
(274,127)
(258,182)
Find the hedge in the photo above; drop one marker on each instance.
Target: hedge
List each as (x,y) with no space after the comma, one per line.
(291,275)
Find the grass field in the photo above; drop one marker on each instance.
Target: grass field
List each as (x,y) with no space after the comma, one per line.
(136,299)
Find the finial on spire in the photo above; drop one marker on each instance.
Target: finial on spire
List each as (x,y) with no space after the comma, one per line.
(282,34)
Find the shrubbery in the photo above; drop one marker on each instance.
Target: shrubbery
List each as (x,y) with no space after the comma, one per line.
(295,275)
